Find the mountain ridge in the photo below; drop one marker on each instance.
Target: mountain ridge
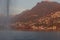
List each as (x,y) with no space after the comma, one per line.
(41,11)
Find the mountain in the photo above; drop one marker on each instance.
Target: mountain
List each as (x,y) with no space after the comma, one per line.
(41,9)
(44,11)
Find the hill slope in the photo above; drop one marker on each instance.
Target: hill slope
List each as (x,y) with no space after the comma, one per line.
(44,11)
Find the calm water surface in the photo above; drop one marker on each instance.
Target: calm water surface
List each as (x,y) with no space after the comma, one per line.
(26,35)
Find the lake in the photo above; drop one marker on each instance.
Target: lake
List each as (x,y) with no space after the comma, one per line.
(27,35)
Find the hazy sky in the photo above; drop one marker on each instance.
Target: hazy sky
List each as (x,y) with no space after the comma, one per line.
(17,6)
(3,7)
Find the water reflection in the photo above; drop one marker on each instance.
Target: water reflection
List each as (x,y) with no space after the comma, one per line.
(22,35)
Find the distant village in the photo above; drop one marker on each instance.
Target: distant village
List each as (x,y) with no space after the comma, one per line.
(47,23)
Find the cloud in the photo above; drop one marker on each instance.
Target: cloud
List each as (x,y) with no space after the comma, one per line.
(16,10)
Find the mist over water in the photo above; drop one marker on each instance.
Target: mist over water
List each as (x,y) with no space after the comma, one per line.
(4,18)
(4,23)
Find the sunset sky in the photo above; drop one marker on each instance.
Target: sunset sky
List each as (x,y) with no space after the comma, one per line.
(17,6)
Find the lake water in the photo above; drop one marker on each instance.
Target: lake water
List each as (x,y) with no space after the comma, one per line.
(26,35)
